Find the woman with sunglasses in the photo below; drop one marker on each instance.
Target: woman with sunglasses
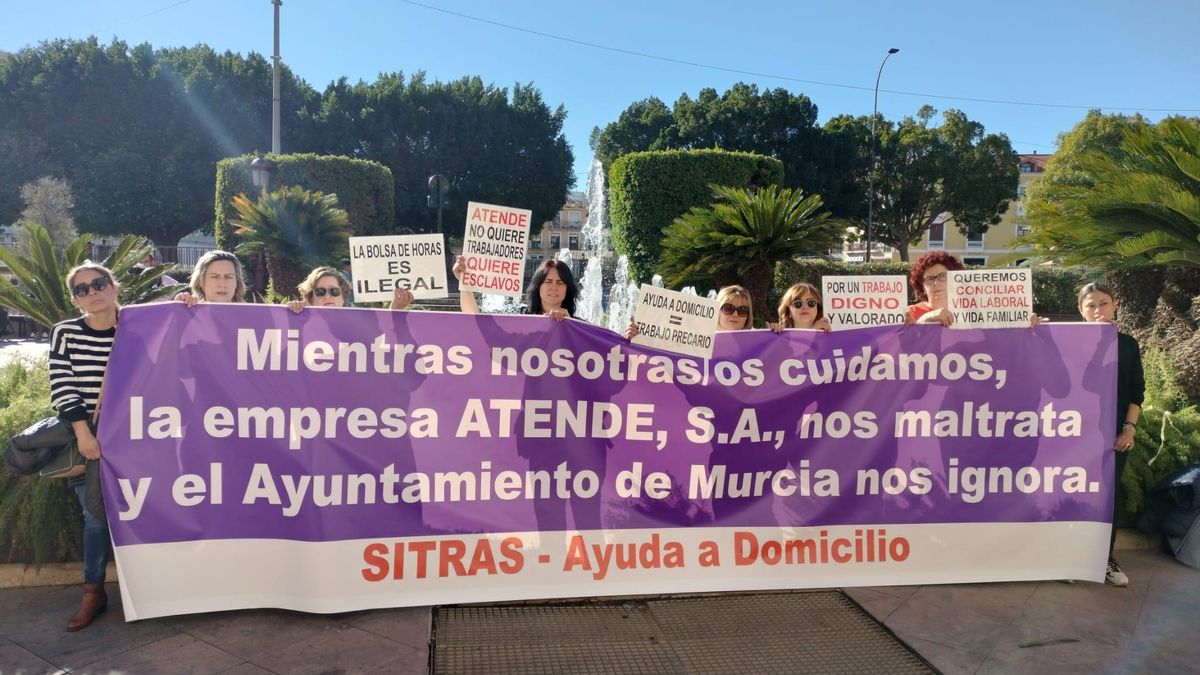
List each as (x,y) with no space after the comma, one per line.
(736,312)
(326,287)
(737,309)
(79,350)
(217,277)
(801,308)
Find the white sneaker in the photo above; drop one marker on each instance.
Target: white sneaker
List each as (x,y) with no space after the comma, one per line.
(1114,576)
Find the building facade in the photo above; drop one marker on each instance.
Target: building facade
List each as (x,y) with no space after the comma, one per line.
(998,240)
(565,230)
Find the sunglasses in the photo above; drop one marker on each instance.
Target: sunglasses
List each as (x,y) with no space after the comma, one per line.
(333,292)
(98,284)
(740,310)
(801,303)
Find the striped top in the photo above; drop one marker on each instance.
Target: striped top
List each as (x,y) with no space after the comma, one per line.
(78,357)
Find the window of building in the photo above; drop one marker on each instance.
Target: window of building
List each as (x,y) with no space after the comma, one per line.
(574,218)
(937,235)
(1023,230)
(975,240)
(555,242)
(1026,168)
(535,243)
(574,240)
(975,262)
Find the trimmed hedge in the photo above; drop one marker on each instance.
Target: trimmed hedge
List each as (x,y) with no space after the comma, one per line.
(648,190)
(364,189)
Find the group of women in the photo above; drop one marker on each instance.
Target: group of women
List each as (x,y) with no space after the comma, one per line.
(80,349)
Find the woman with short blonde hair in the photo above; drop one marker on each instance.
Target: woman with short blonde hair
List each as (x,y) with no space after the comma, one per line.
(736,309)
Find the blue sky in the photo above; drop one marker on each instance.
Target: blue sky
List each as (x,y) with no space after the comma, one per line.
(1083,54)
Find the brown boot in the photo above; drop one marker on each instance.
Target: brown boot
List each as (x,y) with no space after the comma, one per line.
(95,601)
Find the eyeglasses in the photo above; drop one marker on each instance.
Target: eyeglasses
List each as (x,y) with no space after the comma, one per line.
(740,310)
(98,284)
(798,303)
(934,279)
(335,292)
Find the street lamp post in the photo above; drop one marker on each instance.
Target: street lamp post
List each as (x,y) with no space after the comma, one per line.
(275,85)
(871,174)
(261,172)
(438,187)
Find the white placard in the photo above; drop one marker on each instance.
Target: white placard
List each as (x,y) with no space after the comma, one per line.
(380,265)
(862,301)
(999,298)
(497,239)
(676,322)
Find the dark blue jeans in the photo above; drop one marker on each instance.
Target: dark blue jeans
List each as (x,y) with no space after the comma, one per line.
(95,541)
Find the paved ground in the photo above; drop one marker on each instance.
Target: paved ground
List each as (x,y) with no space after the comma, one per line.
(974,628)
(1052,627)
(14,349)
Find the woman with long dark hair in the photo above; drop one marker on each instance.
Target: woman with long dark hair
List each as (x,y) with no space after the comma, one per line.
(551,293)
(79,350)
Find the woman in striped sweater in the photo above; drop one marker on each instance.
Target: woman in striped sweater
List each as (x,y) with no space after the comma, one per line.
(79,350)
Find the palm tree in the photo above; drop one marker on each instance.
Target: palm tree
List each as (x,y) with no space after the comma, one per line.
(743,234)
(1136,204)
(39,287)
(296,229)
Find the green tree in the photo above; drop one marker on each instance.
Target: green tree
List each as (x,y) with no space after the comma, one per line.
(926,171)
(134,130)
(642,126)
(40,288)
(494,146)
(743,235)
(773,122)
(296,229)
(1121,193)
(48,202)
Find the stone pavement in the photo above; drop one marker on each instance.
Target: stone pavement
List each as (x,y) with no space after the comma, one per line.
(967,628)
(1149,626)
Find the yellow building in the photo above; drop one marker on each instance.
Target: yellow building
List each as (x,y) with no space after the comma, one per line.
(564,231)
(997,241)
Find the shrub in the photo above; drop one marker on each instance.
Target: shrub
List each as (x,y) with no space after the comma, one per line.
(39,518)
(1168,432)
(648,190)
(364,189)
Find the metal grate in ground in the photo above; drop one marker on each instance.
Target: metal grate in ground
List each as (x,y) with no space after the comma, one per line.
(790,632)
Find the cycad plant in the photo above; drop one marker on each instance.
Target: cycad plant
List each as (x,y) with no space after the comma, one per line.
(39,288)
(743,234)
(1135,205)
(296,229)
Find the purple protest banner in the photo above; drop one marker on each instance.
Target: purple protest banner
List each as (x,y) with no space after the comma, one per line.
(341,459)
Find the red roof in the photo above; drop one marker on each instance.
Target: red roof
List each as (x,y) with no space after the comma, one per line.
(1038,161)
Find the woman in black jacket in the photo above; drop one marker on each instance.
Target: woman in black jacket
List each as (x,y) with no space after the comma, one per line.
(1098,304)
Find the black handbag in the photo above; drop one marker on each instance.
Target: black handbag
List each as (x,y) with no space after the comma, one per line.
(48,448)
